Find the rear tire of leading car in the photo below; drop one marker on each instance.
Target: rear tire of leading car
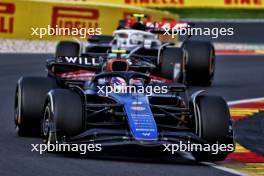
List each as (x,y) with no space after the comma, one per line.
(29,103)
(200,63)
(214,126)
(68,48)
(63,115)
(171,63)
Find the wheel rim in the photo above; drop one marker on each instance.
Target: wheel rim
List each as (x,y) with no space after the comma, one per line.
(18,108)
(212,63)
(46,125)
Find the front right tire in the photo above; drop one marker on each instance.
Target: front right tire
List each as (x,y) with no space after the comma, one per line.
(215,126)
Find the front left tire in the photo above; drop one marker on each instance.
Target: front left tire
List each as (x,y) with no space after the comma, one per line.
(29,103)
(68,48)
(63,115)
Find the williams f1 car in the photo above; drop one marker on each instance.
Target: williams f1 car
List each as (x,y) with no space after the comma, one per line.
(69,106)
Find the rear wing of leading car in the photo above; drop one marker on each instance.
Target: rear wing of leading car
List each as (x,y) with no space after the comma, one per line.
(157,25)
(142,22)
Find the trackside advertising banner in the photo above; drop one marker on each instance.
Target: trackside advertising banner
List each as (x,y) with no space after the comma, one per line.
(19,19)
(248,4)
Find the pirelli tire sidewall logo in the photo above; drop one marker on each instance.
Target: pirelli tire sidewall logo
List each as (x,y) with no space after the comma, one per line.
(7,11)
(75,17)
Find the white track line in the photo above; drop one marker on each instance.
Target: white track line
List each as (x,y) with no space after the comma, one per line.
(232,171)
(245,101)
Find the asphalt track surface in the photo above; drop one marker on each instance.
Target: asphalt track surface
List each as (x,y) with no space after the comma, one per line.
(244,32)
(237,77)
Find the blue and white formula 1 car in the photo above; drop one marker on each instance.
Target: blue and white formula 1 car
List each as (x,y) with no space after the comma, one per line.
(117,108)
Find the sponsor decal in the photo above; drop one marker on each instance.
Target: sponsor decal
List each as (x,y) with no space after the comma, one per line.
(157,2)
(137,103)
(243,2)
(73,17)
(79,60)
(146,134)
(7,11)
(138,108)
(82,75)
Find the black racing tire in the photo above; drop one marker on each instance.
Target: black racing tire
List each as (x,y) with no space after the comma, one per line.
(215,117)
(200,63)
(171,56)
(29,103)
(68,48)
(63,115)
(215,123)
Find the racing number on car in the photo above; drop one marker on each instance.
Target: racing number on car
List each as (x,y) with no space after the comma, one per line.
(75,17)
(7,11)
